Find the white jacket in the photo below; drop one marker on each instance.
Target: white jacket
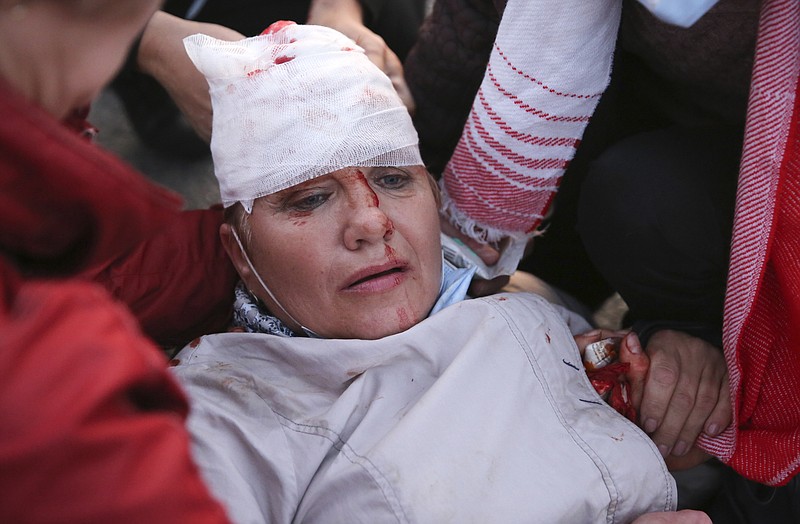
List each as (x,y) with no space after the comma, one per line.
(481,413)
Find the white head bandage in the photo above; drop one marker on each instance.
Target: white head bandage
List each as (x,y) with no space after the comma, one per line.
(295,103)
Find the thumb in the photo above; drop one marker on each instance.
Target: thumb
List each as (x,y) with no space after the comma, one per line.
(631,352)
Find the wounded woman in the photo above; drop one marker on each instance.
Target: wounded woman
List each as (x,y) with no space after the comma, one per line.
(362,385)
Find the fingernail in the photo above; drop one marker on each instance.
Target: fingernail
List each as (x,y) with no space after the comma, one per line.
(650,425)
(633,343)
(680,449)
(664,450)
(712,430)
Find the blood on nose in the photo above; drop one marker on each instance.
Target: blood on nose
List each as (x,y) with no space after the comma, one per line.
(371,198)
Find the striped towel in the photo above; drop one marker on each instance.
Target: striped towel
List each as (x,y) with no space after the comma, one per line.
(761,332)
(550,64)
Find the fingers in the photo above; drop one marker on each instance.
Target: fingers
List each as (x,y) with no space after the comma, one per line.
(686,391)
(387,61)
(347,18)
(674,404)
(487,253)
(705,404)
(632,353)
(722,414)
(393,68)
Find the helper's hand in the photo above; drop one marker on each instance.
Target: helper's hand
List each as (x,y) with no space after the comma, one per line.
(162,55)
(686,516)
(488,254)
(347,17)
(686,392)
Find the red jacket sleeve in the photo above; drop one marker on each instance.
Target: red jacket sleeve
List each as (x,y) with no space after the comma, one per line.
(92,421)
(179,284)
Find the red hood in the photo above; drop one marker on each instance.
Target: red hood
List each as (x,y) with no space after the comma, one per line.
(66,204)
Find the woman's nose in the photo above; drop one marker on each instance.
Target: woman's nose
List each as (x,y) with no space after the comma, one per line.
(366,221)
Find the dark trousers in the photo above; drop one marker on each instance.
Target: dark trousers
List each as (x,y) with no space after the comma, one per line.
(655,216)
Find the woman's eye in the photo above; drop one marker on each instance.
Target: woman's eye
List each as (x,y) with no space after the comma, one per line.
(307,202)
(393,180)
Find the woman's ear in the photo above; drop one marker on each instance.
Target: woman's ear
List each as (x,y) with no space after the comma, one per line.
(234,250)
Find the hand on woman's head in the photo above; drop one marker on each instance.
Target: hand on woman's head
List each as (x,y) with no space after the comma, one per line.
(163,56)
(347,17)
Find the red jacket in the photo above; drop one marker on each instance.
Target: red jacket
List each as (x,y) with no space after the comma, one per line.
(91,421)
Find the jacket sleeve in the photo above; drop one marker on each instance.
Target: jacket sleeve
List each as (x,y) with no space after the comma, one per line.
(93,424)
(179,283)
(444,70)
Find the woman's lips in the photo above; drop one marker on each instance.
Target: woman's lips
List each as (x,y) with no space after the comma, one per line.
(377,278)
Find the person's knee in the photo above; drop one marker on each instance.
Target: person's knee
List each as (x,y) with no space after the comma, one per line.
(614,204)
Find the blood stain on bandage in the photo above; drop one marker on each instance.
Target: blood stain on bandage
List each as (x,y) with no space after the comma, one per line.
(283,59)
(277,26)
(254,72)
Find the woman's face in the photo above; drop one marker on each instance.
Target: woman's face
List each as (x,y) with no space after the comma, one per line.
(352,254)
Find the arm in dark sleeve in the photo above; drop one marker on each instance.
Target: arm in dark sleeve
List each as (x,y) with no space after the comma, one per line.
(444,70)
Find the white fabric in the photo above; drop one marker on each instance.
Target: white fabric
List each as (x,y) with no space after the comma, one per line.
(481,413)
(295,103)
(550,63)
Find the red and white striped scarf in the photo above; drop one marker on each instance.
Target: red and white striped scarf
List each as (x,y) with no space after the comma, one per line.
(548,68)
(761,333)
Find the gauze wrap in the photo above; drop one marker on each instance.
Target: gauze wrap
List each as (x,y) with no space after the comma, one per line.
(295,103)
